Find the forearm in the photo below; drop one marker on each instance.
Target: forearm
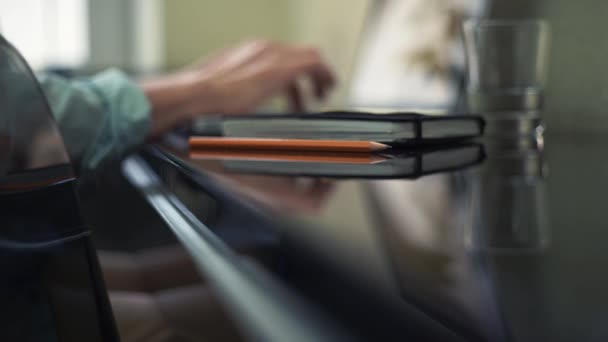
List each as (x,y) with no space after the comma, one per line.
(108,114)
(175,99)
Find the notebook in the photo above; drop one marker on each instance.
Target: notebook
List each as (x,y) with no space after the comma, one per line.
(393,129)
(398,163)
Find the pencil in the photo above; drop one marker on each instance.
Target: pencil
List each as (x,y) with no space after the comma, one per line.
(310,157)
(256,144)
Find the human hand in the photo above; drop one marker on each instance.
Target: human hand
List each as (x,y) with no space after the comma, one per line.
(241,78)
(237,80)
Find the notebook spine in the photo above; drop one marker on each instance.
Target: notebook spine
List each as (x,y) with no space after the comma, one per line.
(417,130)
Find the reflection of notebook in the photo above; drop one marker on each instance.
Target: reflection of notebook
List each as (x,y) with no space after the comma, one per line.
(399,128)
(411,163)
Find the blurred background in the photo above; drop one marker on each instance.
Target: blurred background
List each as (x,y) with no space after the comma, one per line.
(394,53)
(150,36)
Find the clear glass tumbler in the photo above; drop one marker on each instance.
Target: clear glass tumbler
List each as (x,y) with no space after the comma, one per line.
(506,64)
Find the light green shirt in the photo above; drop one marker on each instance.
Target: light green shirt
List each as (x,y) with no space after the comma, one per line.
(100,117)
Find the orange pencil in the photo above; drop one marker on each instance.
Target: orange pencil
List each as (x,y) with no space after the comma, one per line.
(285,144)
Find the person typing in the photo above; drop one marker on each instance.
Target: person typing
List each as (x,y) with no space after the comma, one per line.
(102,116)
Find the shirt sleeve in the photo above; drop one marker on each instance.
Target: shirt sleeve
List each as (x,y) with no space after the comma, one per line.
(100,117)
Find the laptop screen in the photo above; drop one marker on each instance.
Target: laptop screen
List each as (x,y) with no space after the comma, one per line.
(410,55)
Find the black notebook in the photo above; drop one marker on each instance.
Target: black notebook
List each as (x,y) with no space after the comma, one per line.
(393,129)
(397,163)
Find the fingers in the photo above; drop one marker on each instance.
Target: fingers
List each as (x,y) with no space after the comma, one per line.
(241,78)
(312,64)
(238,54)
(323,81)
(282,65)
(294,96)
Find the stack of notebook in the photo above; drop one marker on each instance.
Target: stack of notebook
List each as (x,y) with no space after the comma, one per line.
(340,144)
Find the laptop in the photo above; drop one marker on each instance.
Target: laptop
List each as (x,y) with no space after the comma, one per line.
(379,82)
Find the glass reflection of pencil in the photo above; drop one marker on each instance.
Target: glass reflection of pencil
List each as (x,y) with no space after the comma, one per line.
(253,144)
(310,157)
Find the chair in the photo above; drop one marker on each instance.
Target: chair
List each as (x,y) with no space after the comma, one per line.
(51,286)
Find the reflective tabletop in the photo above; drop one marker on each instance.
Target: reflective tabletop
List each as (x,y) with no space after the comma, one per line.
(495,240)
(505,247)
(500,239)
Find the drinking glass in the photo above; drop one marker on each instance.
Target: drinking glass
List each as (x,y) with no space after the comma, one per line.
(506,64)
